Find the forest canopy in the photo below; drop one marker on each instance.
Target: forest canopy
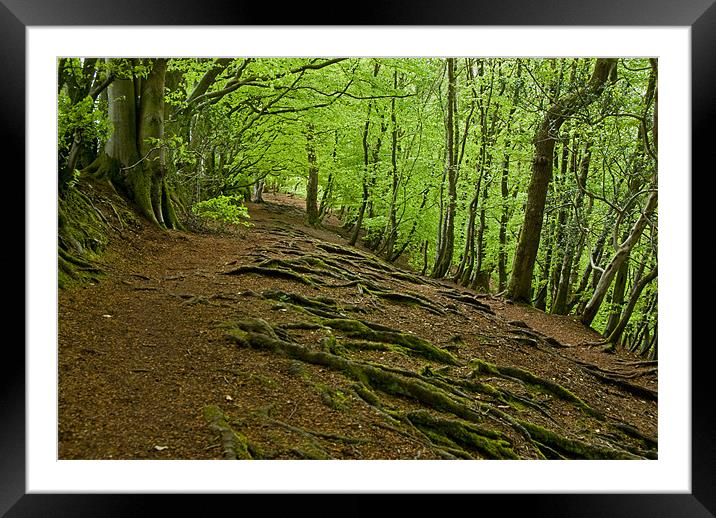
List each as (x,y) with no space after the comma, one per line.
(531,178)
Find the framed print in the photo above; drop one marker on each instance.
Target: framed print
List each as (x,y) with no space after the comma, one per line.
(40,479)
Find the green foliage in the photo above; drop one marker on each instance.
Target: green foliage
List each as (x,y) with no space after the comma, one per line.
(227,209)
(251,124)
(83,116)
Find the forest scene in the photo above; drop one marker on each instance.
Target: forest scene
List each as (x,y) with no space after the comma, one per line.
(357,258)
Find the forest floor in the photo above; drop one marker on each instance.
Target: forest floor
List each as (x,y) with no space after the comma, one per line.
(281,342)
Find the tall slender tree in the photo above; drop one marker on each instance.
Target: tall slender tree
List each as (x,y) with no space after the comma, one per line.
(520,287)
(447,244)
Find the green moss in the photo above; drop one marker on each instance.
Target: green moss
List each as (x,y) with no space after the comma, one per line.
(412,299)
(573,448)
(236,445)
(489,443)
(332,397)
(482,367)
(139,180)
(298,369)
(85,214)
(272,272)
(367,395)
(541,384)
(408,343)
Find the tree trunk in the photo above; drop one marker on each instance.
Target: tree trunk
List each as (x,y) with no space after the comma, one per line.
(392,233)
(133,157)
(257,195)
(558,245)
(520,286)
(151,132)
(480,278)
(540,301)
(504,192)
(444,256)
(616,334)
(622,253)
(504,219)
(617,298)
(366,162)
(326,196)
(312,215)
(559,306)
(595,255)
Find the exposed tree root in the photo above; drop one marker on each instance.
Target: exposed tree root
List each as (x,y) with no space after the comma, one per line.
(618,374)
(499,395)
(483,367)
(236,445)
(411,299)
(372,264)
(340,250)
(312,453)
(470,300)
(637,390)
(306,432)
(573,448)
(455,432)
(304,264)
(369,375)
(274,272)
(629,430)
(435,394)
(327,306)
(419,346)
(644,363)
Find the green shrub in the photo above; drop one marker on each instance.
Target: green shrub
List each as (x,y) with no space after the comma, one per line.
(225,209)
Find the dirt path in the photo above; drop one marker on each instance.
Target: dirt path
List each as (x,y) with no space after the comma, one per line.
(144,353)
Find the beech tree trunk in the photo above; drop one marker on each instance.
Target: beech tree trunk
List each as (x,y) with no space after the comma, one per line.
(151,130)
(133,157)
(504,192)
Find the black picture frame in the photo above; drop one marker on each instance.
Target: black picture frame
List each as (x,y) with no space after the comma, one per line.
(700,15)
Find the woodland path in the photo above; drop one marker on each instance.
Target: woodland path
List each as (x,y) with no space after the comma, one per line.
(281,342)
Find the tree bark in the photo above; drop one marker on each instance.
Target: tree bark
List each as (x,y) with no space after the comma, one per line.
(312,215)
(520,286)
(257,195)
(622,253)
(392,220)
(133,157)
(617,298)
(559,306)
(504,192)
(444,256)
(151,131)
(366,162)
(616,334)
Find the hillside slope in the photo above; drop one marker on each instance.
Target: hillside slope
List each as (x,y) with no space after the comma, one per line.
(282,342)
